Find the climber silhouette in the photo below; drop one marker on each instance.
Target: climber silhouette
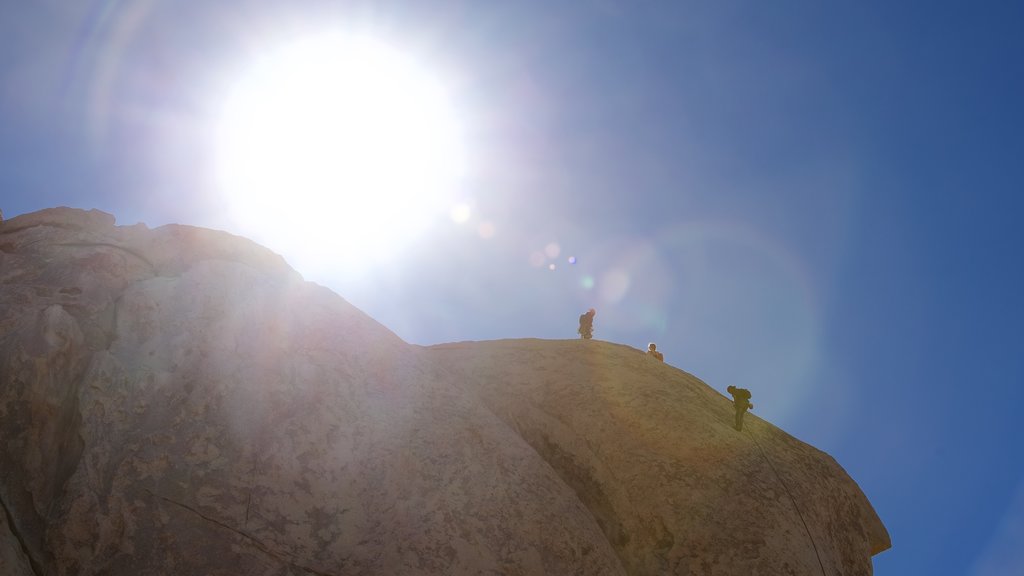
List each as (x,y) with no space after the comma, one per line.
(586,329)
(652,350)
(741,401)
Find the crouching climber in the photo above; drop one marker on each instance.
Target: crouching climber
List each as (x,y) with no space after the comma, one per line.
(741,401)
(652,350)
(586,329)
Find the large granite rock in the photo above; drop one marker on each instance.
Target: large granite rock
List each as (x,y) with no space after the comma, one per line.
(179,401)
(652,453)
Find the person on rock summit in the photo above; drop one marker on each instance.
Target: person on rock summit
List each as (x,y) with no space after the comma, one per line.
(586,329)
(652,350)
(741,401)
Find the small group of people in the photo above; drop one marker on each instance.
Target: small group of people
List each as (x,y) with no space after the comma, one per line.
(740,396)
(586,331)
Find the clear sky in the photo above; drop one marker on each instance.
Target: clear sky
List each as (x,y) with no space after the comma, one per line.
(818,201)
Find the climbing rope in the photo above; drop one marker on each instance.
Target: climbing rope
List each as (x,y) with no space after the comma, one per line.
(791,499)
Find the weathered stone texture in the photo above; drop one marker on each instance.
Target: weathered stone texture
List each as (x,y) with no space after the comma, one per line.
(651,451)
(178,400)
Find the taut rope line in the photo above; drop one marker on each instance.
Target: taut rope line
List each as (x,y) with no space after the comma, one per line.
(791,499)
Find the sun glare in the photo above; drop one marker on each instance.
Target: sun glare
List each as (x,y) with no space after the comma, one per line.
(338,150)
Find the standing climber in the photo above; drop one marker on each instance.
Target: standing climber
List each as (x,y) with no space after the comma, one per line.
(586,330)
(741,400)
(652,350)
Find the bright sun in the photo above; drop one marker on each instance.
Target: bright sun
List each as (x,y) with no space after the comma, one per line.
(338,147)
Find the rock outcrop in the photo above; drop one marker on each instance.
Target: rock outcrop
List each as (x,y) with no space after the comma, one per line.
(179,401)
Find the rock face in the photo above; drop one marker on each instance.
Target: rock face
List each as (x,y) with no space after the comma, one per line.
(179,401)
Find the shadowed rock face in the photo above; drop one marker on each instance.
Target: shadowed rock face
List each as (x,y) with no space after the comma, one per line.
(178,400)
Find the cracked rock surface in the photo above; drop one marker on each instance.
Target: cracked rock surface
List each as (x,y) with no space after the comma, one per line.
(180,401)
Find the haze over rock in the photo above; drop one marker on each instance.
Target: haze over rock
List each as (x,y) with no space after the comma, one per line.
(180,401)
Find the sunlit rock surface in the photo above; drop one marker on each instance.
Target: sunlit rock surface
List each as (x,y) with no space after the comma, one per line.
(179,401)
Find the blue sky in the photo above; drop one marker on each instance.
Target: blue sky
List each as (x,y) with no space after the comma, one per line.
(819,202)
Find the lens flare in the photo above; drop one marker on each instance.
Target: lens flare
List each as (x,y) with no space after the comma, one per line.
(614,285)
(460,213)
(552,250)
(486,230)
